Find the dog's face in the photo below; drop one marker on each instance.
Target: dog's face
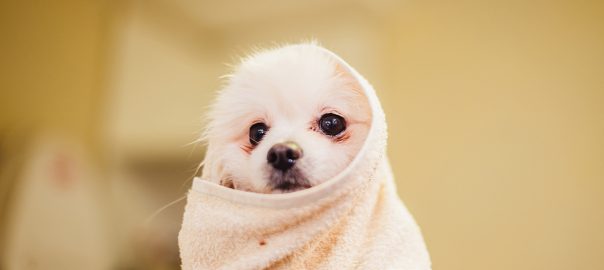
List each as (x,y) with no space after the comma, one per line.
(288,119)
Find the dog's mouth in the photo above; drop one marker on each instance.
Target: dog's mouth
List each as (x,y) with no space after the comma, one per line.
(288,181)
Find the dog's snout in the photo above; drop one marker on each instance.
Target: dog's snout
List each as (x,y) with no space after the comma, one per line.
(283,156)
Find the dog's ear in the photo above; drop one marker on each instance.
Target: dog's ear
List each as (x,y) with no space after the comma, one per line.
(359,104)
(350,80)
(212,166)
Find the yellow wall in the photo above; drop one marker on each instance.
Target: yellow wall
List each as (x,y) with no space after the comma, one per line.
(497,131)
(50,68)
(51,56)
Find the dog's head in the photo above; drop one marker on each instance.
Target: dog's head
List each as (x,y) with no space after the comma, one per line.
(288,119)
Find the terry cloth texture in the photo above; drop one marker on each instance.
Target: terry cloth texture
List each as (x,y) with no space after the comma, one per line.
(352,221)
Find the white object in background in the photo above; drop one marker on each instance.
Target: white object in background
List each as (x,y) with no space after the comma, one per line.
(56,219)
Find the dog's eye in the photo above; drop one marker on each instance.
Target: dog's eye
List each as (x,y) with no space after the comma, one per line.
(332,124)
(257,131)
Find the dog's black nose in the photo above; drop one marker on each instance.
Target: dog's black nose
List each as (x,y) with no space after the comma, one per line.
(283,156)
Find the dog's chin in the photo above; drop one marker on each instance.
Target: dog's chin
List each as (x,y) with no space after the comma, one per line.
(288,181)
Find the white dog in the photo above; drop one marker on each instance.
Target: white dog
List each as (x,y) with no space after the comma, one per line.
(288,119)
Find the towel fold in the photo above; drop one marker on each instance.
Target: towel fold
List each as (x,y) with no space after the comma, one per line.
(352,221)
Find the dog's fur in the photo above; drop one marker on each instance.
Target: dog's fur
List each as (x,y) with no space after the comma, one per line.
(289,89)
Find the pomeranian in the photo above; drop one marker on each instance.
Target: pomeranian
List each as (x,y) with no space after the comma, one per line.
(287,119)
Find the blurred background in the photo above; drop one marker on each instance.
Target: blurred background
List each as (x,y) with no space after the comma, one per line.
(495,108)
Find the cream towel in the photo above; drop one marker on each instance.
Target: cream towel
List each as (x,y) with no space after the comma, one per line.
(353,221)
